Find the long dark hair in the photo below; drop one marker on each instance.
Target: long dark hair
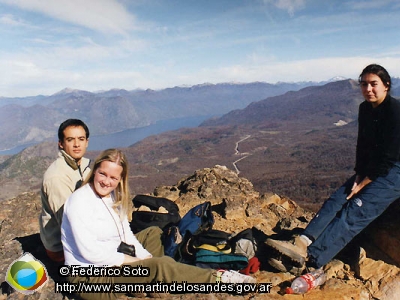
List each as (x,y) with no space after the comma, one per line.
(380,72)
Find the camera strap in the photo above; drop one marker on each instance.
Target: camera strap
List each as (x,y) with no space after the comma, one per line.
(115,222)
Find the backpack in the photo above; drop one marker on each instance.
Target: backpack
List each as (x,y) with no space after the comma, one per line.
(198,219)
(213,240)
(244,243)
(220,260)
(218,249)
(144,219)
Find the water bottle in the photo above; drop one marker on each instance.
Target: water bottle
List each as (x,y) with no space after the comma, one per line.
(306,282)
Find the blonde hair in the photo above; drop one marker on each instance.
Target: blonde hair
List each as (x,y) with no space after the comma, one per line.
(122,195)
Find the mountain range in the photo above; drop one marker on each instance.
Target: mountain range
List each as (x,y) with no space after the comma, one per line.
(300,144)
(31,120)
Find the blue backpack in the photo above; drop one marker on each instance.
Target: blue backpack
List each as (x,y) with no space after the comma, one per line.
(198,219)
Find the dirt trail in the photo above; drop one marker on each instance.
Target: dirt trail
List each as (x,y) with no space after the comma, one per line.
(237,152)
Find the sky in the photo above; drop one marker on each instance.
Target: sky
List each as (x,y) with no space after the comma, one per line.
(93,45)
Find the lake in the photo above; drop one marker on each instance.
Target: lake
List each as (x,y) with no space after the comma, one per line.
(130,136)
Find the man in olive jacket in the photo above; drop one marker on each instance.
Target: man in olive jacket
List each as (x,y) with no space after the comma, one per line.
(63,177)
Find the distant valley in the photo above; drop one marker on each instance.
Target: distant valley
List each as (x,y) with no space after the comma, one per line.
(300,144)
(31,120)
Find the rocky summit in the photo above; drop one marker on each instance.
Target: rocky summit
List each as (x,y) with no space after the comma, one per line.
(369,268)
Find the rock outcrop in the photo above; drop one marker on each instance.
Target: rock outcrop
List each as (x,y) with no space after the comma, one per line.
(362,271)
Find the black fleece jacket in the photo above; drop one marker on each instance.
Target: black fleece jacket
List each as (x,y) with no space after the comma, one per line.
(378,142)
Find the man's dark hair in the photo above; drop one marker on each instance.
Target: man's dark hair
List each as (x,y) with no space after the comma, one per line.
(380,72)
(73,123)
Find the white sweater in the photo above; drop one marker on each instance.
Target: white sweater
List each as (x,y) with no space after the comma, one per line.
(89,232)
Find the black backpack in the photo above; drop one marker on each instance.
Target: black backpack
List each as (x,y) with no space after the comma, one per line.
(144,219)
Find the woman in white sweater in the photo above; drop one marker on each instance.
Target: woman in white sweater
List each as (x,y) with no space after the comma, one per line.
(95,224)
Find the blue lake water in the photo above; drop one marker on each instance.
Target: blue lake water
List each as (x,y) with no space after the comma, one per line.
(128,137)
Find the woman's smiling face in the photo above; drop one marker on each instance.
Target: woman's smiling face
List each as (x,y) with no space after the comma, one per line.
(106,178)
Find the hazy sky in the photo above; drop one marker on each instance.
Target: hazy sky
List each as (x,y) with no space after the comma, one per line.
(47,45)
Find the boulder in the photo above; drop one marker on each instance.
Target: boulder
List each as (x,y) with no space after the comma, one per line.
(385,235)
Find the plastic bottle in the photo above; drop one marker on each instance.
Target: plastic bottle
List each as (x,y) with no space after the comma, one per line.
(306,282)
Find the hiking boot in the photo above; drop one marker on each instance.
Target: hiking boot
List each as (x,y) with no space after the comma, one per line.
(234,277)
(285,267)
(295,250)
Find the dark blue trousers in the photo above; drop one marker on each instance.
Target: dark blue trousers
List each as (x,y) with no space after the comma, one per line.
(340,220)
